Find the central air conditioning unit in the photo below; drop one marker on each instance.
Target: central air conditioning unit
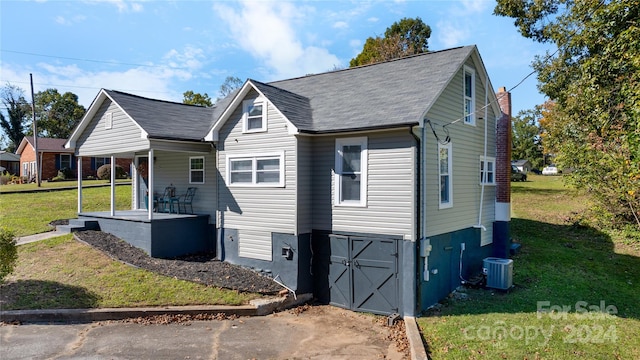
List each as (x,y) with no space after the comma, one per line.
(499,272)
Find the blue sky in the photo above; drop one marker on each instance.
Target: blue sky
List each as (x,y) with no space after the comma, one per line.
(160,49)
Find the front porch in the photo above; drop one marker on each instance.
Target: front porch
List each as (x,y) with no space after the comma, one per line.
(164,236)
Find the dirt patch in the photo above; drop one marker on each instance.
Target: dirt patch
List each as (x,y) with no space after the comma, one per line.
(201,268)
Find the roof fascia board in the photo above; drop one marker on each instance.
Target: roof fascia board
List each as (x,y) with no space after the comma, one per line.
(359,130)
(88,116)
(93,109)
(212,135)
(23,144)
(484,76)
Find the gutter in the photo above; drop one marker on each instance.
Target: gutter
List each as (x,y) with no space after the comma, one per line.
(359,129)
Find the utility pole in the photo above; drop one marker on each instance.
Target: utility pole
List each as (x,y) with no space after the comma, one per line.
(35,131)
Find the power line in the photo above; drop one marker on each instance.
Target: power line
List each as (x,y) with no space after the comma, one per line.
(85,87)
(549,56)
(93,60)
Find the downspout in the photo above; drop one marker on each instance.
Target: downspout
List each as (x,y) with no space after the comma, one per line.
(79,159)
(150,172)
(483,180)
(425,244)
(113,185)
(411,302)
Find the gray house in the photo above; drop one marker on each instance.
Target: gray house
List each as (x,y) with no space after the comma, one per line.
(370,187)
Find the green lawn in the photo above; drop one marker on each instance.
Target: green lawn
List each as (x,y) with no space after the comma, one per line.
(55,184)
(64,273)
(31,212)
(562,266)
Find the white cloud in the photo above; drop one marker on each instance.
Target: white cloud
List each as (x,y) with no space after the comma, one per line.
(451,34)
(62,21)
(373,19)
(265,30)
(154,81)
(122,5)
(340,25)
(475,6)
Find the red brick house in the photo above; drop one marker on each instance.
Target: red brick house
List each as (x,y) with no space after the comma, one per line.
(54,157)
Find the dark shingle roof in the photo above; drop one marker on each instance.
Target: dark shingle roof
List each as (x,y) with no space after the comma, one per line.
(49,144)
(165,119)
(388,94)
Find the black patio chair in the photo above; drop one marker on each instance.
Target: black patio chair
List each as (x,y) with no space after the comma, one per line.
(187,199)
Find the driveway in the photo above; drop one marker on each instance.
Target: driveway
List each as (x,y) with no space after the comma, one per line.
(316,332)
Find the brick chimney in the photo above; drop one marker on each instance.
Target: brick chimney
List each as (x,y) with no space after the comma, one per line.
(501,231)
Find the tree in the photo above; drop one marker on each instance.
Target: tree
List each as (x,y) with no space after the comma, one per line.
(230,84)
(17,112)
(594,80)
(526,137)
(196,99)
(403,38)
(57,114)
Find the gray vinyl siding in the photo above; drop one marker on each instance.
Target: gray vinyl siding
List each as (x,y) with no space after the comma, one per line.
(172,168)
(467,147)
(124,137)
(304,172)
(390,187)
(256,212)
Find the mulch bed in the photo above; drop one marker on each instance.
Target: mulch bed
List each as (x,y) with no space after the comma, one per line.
(199,268)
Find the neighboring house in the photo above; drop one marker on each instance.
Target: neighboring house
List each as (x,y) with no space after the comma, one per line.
(522,165)
(55,157)
(9,162)
(371,187)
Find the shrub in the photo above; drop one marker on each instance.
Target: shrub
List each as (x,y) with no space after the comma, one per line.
(8,252)
(104,172)
(5,178)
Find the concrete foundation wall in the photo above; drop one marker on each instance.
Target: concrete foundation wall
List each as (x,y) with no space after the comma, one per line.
(291,256)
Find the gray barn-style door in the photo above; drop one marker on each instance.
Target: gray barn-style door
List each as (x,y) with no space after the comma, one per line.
(363,274)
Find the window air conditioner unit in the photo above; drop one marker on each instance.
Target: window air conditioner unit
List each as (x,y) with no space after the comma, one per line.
(499,272)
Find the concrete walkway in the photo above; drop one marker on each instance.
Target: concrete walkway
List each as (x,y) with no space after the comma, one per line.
(37,237)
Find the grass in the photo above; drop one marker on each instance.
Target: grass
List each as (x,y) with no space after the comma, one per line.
(55,185)
(64,273)
(562,266)
(31,212)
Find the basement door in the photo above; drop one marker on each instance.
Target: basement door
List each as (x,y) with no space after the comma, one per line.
(363,274)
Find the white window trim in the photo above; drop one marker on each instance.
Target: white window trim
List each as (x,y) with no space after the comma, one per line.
(485,160)
(254,160)
(192,170)
(472,119)
(364,158)
(70,161)
(108,121)
(245,115)
(449,204)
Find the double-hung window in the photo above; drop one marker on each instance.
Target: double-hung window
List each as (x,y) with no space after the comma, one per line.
(256,170)
(351,172)
(445,171)
(469,95)
(196,170)
(99,161)
(65,161)
(254,115)
(487,170)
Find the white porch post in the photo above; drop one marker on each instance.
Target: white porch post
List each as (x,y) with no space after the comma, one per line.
(79,159)
(150,185)
(113,185)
